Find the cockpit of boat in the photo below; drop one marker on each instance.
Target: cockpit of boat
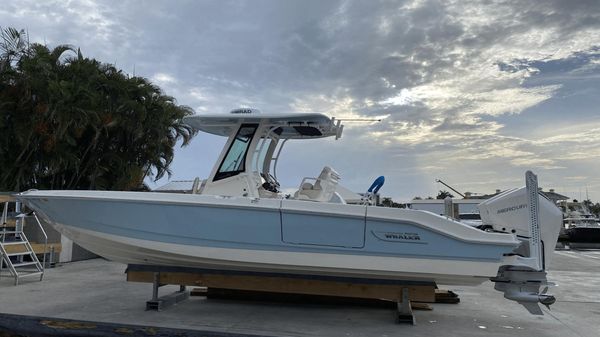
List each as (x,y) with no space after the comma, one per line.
(247,165)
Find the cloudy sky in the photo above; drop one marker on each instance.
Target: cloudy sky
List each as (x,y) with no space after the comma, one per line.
(473,93)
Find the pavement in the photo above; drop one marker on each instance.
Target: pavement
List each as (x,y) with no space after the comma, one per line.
(96,290)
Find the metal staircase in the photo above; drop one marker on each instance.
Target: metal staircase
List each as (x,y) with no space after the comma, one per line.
(16,253)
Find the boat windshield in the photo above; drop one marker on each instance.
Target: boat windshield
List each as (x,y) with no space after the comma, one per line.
(235,160)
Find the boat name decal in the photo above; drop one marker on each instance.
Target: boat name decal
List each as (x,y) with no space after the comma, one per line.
(399,237)
(511,208)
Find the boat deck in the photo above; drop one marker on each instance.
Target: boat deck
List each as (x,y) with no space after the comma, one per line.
(97,290)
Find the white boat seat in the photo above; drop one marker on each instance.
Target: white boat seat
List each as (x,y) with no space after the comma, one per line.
(307,186)
(322,190)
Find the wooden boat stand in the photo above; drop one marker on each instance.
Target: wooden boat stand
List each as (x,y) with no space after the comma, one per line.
(232,284)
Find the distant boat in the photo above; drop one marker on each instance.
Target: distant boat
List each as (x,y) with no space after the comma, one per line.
(238,219)
(581,226)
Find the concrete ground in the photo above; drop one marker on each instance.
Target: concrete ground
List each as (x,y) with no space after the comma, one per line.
(96,290)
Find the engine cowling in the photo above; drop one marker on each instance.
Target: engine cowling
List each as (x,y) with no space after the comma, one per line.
(509,212)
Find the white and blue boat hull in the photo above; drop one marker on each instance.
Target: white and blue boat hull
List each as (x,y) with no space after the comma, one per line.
(273,235)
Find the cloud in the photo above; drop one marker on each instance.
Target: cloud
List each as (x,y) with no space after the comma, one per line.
(162,79)
(489,88)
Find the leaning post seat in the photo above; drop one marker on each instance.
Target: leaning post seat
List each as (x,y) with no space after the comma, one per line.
(323,188)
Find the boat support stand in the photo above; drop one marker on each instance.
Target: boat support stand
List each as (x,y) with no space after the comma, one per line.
(401,295)
(404,309)
(165,301)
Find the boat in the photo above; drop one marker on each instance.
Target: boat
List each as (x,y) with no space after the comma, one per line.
(581,226)
(238,219)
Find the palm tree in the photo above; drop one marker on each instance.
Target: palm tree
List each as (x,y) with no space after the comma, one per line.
(13,44)
(444,194)
(76,123)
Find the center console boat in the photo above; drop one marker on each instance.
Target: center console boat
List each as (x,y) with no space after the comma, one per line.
(238,219)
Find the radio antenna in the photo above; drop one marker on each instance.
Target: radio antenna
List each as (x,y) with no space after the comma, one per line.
(450,187)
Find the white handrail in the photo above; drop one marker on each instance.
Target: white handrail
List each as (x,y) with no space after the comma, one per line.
(5,213)
(21,238)
(258,150)
(45,239)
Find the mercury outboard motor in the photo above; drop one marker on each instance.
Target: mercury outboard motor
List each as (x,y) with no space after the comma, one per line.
(536,222)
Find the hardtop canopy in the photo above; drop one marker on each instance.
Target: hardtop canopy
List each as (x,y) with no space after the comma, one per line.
(285,125)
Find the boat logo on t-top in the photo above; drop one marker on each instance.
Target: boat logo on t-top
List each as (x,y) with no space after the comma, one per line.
(399,237)
(511,208)
(244,111)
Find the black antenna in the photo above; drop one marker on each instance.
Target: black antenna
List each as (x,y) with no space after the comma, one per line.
(450,187)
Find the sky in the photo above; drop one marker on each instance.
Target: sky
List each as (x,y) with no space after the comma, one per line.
(471,92)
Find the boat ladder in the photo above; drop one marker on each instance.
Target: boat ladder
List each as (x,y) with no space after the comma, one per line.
(16,253)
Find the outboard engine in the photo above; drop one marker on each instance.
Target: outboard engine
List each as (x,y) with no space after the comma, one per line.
(536,221)
(509,212)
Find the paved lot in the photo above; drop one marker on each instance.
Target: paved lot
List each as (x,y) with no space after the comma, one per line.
(96,290)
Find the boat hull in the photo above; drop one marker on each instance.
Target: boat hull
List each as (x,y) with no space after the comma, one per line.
(268,235)
(583,234)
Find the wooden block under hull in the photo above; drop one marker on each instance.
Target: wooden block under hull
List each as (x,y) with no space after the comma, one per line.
(246,295)
(446,296)
(10,224)
(6,197)
(38,248)
(291,285)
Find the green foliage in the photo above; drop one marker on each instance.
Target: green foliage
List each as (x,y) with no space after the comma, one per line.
(388,202)
(70,122)
(444,194)
(593,208)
